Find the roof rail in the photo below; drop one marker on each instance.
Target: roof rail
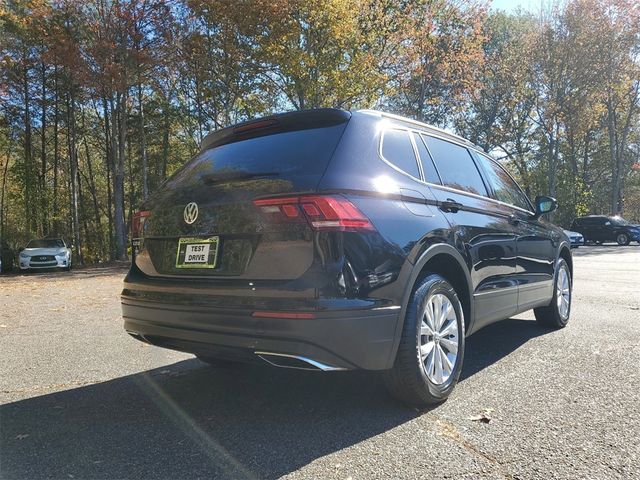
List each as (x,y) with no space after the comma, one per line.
(421,124)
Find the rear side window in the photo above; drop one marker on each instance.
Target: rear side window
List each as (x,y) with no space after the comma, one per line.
(593,221)
(398,150)
(504,187)
(300,152)
(457,168)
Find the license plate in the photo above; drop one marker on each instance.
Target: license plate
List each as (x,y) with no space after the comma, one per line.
(197,252)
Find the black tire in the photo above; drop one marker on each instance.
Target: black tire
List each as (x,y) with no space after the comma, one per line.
(550,316)
(408,380)
(623,239)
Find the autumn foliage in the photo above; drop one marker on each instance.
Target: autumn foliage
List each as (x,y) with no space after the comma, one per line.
(101,100)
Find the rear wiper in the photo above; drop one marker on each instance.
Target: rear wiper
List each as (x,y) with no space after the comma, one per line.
(222,177)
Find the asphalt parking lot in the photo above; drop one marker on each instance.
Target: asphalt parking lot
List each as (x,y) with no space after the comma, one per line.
(80,399)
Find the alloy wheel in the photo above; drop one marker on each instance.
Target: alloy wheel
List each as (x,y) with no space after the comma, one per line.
(439,338)
(563,292)
(622,239)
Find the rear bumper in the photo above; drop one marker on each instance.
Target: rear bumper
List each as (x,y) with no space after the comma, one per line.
(339,339)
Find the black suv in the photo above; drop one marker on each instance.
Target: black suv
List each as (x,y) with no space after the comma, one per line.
(600,229)
(334,240)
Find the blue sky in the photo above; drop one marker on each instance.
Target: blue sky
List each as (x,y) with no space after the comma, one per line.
(511,5)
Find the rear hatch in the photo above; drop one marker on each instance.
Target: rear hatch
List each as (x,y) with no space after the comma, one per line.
(203,221)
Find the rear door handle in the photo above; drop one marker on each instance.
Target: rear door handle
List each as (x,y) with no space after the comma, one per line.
(513,220)
(450,205)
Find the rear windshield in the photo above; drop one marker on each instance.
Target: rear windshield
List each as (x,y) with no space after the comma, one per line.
(293,153)
(46,243)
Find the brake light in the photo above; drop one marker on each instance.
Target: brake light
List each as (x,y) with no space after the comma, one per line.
(137,223)
(256,125)
(322,212)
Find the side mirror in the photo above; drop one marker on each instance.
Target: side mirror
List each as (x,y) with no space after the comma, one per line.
(544,205)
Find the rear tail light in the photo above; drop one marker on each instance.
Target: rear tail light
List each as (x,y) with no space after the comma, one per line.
(137,223)
(322,212)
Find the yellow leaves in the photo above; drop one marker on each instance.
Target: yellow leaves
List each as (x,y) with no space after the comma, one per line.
(315,47)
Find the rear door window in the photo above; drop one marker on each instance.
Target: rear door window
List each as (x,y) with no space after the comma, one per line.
(397,149)
(504,187)
(456,167)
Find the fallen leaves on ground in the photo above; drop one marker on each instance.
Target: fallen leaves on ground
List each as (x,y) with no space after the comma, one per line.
(484,417)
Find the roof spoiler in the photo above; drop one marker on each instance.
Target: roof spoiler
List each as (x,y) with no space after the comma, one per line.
(282,122)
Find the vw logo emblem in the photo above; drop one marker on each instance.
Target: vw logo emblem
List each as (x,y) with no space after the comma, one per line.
(190,213)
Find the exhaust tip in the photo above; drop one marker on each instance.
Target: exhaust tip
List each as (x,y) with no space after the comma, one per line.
(138,336)
(284,360)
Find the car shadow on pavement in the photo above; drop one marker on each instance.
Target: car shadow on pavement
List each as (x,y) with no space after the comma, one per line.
(187,420)
(496,341)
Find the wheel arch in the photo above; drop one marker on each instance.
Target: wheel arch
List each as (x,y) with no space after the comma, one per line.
(446,261)
(564,252)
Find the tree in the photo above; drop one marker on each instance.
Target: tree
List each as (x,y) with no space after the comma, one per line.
(442,51)
(319,54)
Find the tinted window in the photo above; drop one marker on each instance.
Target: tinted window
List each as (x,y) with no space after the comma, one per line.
(46,243)
(619,221)
(504,188)
(285,154)
(457,168)
(592,221)
(430,172)
(397,149)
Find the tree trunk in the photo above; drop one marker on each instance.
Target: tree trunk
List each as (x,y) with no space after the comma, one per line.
(94,195)
(119,132)
(43,152)
(552,158)
(56,154)
(613,152)
(28,219)
(143,145)
(165,144)
(73,173)
(109,152)
(4,186)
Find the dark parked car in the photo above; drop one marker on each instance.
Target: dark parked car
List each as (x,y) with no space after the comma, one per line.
(6,257)
(601,228)
(334,240)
